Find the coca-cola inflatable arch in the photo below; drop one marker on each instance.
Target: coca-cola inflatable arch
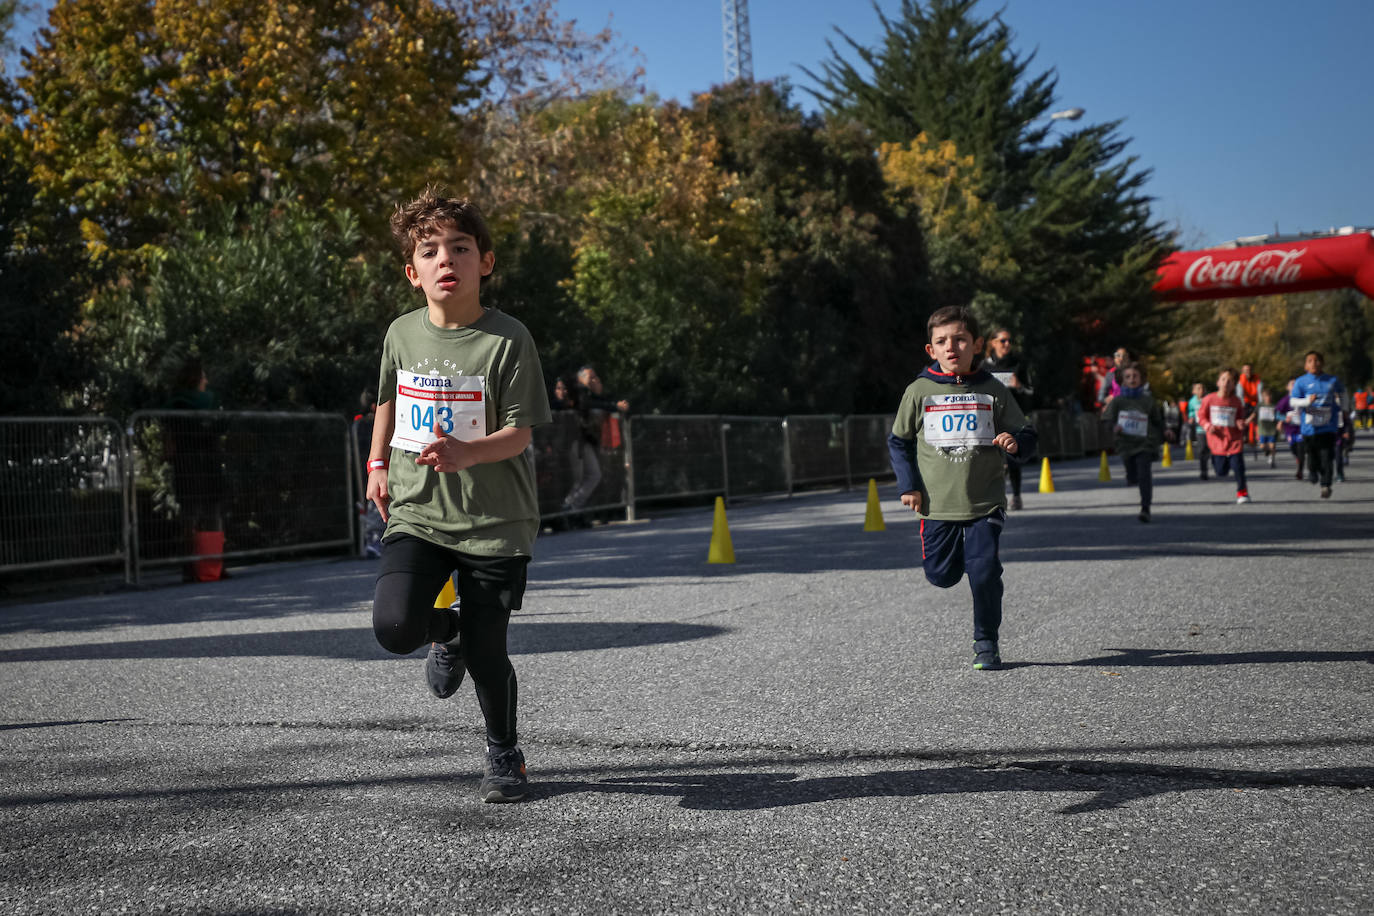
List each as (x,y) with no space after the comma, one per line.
(1328,262)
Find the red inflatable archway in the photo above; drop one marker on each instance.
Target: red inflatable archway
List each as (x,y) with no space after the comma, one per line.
(1328,262)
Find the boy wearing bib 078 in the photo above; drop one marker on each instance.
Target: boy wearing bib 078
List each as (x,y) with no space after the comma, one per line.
(460,389)
(1139,423)
(953,425)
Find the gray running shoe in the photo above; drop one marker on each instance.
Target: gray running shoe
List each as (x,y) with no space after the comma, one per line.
(986,657)
(503,776)
(444,668)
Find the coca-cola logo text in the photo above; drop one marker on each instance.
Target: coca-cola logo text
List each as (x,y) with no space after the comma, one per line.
(1264,268)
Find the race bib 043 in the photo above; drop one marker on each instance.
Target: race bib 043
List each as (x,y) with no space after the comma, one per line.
(955,420)
(456,403)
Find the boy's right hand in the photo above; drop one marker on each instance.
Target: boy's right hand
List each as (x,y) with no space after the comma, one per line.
(912,500)
(377,490)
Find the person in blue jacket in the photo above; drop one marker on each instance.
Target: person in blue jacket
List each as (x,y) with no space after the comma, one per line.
(1322,399)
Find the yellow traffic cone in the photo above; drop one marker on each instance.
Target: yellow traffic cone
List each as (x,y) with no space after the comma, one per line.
(1046,479)
(1168,460)
(722,549)
(873,516)
(446,595)
(1104,473)
(1188,451)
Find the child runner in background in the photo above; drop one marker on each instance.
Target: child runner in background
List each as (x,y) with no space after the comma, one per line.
(460,389)
(1267,422)
(1139,423)
(952,427)
(1222,416)
(1290,424)
(1199,435)
(1321,397)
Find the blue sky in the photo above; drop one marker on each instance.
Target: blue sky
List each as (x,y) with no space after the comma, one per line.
(1252,114)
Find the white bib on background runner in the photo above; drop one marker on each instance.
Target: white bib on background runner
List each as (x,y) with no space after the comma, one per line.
(1134,423)
(1266,414)
(1223,416)
(955,420)
(457,402)
(1004,377)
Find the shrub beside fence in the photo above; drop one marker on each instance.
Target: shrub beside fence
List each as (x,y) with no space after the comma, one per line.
(77,491)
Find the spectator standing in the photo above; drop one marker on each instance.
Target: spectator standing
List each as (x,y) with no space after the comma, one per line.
(1009,367)
(195,452)
(362,432)
(593,407)
(1248,388)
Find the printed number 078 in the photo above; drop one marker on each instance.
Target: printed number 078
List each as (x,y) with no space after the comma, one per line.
(957,422)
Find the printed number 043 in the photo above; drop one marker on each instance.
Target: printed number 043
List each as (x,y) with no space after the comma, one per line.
(957,422)
(426,420)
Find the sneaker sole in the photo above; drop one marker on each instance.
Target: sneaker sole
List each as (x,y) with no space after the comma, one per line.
(497,797)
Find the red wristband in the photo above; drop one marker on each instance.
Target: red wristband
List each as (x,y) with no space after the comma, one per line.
(377,464)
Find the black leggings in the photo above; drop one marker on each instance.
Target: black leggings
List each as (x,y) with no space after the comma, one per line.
(413,572)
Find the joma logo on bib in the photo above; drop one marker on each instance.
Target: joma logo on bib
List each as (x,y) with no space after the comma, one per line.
(431,381)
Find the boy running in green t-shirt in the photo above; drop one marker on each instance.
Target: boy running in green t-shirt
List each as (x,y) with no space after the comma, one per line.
(460,389)
(952,427)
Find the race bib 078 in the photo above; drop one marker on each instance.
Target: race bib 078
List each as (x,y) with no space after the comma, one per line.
(456,403)
(954,420)
(1223,416)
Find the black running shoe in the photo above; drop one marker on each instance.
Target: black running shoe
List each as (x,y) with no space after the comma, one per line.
(503,776)
(1144,515)
(444,668)
(986,657)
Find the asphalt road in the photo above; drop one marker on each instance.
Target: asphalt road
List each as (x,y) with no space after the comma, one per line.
(1185,725)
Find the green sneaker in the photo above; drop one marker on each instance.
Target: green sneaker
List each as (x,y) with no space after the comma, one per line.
(986,657)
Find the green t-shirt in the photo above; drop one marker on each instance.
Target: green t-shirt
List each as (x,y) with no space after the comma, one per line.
(488,509)
(1142,424)
(959,482)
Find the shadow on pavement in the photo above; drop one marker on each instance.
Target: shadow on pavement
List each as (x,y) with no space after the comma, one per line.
(1188,657)
(359,643)
(1112,784)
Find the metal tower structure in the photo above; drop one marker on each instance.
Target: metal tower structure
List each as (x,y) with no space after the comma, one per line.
(739,56)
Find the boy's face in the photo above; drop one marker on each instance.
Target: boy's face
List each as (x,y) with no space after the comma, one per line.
(1131,378)
(953,347)
(1313,364)
(448,266)
(1226,383)
(1199,389)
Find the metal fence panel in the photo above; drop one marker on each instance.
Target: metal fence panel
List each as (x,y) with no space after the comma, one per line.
(553,463)
(272,482)
(755,456)
(678,457)
(62,492)
(866,444)
(816,449)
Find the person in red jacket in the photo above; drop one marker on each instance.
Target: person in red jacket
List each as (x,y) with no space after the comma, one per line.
(1248,388)
(1224,419)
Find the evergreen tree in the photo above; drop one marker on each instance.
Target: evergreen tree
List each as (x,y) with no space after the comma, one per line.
(1075,221)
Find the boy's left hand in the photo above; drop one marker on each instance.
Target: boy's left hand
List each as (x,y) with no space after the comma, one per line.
(1006,442)
(446,453)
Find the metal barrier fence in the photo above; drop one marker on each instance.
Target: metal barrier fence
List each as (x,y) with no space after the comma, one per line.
(83,490)
(270,483)
(63,492)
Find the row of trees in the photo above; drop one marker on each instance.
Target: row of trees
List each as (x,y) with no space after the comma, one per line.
(183,178)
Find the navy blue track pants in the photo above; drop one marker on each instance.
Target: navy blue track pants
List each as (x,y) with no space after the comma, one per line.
(950,549)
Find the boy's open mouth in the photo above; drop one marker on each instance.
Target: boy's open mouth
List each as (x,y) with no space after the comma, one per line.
(447,281)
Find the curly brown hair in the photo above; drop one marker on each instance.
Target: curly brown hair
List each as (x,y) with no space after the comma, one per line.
(413,222)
